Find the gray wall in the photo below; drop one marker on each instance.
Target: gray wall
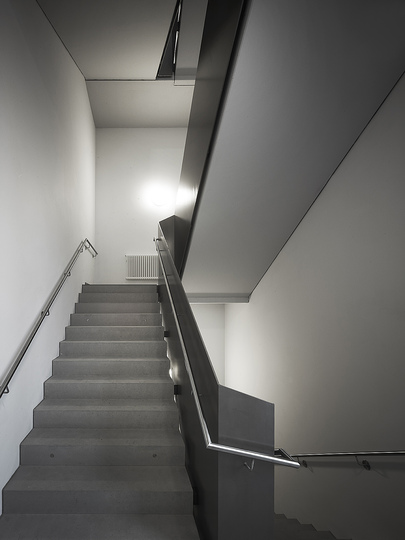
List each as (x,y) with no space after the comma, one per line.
(323,338)
(47,155)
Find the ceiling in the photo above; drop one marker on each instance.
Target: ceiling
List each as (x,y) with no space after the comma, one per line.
(118,45)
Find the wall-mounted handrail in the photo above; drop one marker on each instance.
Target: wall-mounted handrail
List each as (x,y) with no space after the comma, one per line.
(84,245)
(356,455)
(205,431)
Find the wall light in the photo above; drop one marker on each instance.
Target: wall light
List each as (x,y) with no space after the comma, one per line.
(158,194)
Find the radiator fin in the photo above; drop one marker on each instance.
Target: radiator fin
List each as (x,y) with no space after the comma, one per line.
(142,266)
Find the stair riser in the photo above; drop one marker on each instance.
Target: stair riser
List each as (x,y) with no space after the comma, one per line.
(115,333)
(116,319)
(98,527)
(108,390)
(118,297)
(116,455)
(302,535)
(108,349)
(119,368)
(292,529)
(106,419)
(97,502)
(136,288)
(117,307)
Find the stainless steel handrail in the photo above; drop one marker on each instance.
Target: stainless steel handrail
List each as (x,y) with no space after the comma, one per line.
(364,463)
(249,454)
(352,454)
(85,244)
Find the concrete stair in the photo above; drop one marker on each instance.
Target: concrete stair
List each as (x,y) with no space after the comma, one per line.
(105,459)
(292,529)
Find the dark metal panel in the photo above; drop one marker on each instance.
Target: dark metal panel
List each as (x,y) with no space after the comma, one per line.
(245,421)
(222,25)
(168,229)
(245,489)
(231,500)
(246,500)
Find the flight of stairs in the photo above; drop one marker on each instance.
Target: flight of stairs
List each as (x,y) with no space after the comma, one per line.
(105,459)
(292,529)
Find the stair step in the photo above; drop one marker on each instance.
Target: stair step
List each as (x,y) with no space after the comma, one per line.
(108,367)
(106,413)
(303,534)
(117,307)
(96,490)
(57,446)
(111,349)
(97,527)
(118,297)
(118,288)
(116,319)
(113,388)
(291,529)
(114,333)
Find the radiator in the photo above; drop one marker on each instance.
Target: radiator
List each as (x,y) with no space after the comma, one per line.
(142,266)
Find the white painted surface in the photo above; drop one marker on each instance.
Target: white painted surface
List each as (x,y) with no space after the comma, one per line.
(118,46)
(129,162)
(115,39)
(323,338)
(308,77)
(211,323)
(46,204)
(139,104)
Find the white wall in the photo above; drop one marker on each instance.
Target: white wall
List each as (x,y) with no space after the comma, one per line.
(129,163)
(323,338)
(47,154)
(211,323)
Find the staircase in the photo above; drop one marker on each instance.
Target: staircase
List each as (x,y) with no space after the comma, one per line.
(105,459)
(292,529)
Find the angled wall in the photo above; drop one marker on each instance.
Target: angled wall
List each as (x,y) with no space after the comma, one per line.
(47,154)
(323,339)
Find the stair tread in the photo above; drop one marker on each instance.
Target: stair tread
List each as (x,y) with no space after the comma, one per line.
(118,349)
(121,296)
(103,379)
(119,286)
(80,436)
(147,341)
(90,327)
(124,404)
(156,478)
(139,318)
(111,358)
(114,333)
(98,527)
(117,307)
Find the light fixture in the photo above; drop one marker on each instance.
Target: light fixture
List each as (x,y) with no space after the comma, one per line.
(158,194)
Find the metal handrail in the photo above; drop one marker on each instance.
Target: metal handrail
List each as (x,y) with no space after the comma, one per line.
(85,244)
(356,455)
(352,454)
(249,454)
